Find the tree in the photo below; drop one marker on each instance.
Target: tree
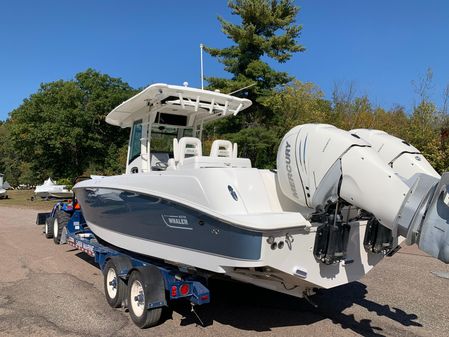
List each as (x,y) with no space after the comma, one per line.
(424,133)
(267,30)
(60,130)
(299,103)
(395,121)
(7,164)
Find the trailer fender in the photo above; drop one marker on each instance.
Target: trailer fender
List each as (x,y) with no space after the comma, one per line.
(123,264)
(154,286)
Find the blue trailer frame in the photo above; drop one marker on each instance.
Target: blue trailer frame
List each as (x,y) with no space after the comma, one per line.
(177,282)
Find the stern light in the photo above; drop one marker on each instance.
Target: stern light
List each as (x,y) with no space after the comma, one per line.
(174,291)
(184,289)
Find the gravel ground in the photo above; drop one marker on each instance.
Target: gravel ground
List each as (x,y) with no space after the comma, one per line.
(50,290)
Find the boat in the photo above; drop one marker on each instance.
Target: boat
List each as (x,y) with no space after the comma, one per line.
(337,203)
(7,185)
(3,191)
(50,190)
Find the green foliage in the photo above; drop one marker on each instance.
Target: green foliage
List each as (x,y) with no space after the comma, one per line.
(424,133)
(115,160)
(302,103)
(267,30)
(60,130)
(8,164)
(65,181)
(258,143)
(299,103)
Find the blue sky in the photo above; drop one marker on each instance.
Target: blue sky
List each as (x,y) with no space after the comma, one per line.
(380,46)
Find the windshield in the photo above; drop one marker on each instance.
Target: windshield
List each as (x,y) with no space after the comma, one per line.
(135,141)
(162,137)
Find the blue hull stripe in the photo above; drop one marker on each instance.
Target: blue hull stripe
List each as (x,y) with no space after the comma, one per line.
(164,221)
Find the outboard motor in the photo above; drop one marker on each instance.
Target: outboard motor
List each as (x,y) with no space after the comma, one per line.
(329,170)
(405,159)
(407,162)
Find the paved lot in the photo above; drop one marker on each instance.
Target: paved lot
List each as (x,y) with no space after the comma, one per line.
(49,290)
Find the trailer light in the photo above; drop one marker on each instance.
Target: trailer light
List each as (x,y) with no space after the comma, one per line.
(174,291)
(184,289)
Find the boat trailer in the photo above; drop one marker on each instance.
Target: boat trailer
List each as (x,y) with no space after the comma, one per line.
(139,283)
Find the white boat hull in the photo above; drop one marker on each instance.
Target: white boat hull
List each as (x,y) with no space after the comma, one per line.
(50,190)
(291,268)
(54,194)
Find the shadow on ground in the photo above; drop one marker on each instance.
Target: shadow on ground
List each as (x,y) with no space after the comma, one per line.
(251,308)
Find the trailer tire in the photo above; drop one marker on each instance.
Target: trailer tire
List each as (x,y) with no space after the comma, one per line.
(114,286)
(60,221)
(49,227)
(138,301)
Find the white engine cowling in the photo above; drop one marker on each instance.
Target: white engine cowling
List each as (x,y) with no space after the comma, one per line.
(319,164)
(306,154)
(405,159)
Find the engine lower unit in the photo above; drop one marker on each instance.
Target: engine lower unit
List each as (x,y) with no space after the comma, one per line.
(331,241)
(378,238)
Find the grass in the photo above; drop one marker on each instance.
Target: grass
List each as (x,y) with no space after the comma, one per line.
(22,199)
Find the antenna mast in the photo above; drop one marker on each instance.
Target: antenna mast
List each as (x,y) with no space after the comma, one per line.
(202,66)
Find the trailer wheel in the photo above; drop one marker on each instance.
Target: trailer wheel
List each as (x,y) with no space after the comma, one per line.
(114,286)
(138,302)
(60,221)
(49,227)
